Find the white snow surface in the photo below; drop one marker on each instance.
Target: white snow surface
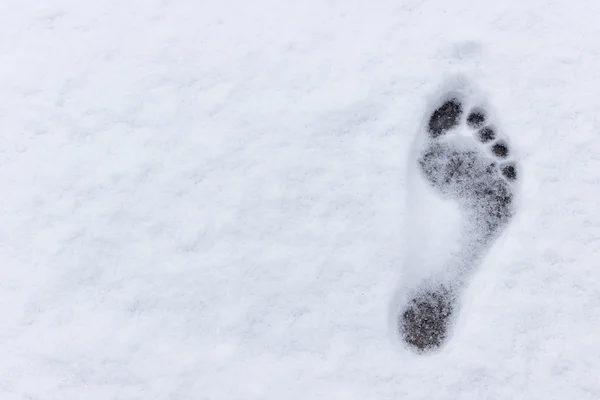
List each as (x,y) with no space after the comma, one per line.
(206,199)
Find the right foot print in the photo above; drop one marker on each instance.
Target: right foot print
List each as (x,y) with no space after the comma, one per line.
(466,161)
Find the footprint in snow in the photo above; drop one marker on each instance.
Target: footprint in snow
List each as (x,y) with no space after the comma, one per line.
(462,159)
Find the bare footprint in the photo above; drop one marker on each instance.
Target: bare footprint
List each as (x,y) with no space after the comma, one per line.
(465,160)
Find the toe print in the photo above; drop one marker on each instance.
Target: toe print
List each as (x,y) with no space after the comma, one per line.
(446,117)
(476,118)
(486,134)
(509,172)
(500,150)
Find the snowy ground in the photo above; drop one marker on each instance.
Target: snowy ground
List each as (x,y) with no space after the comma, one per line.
(205,200)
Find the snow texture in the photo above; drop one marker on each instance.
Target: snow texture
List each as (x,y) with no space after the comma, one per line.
(211,199)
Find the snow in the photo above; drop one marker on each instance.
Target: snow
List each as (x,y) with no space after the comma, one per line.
(206,200)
